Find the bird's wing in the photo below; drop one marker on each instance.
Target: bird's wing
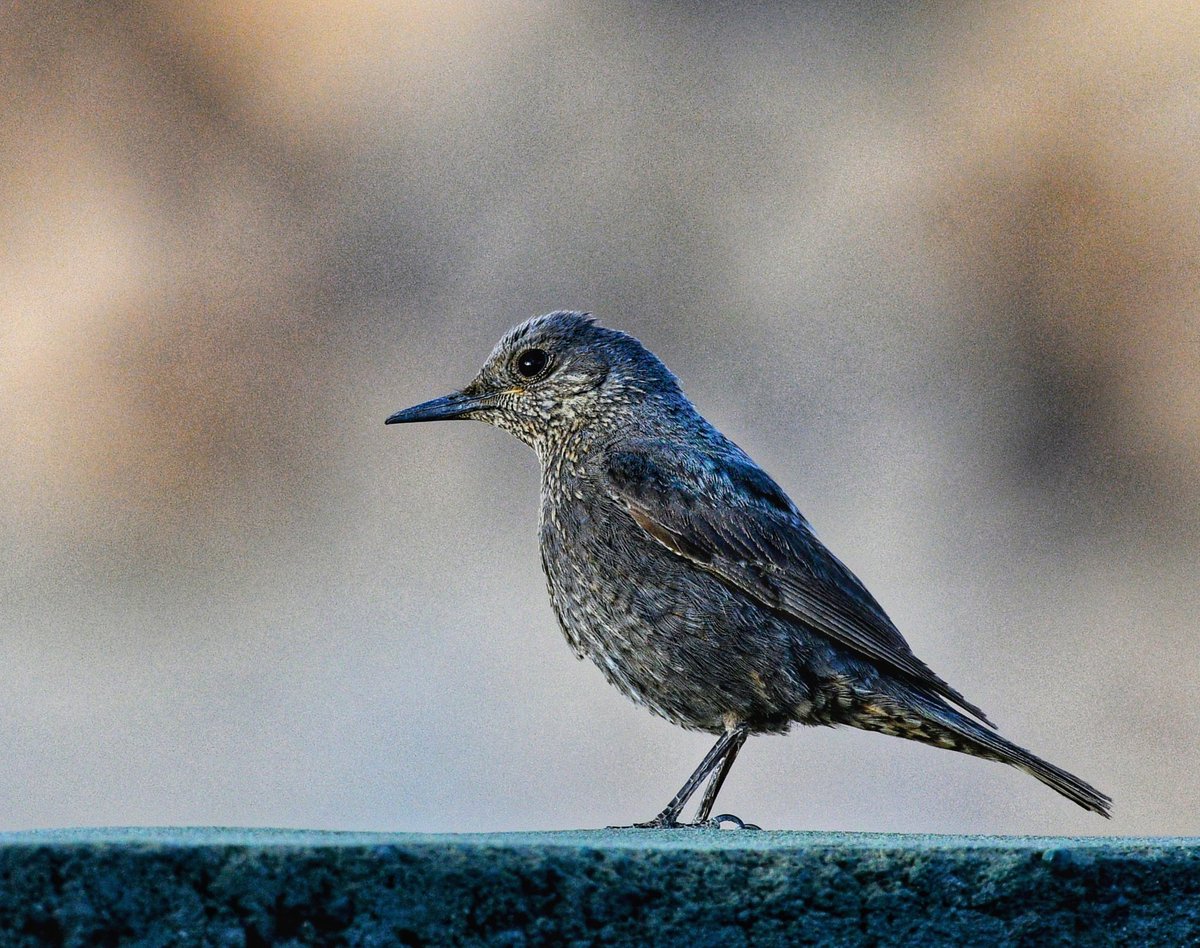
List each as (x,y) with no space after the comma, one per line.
(725,515)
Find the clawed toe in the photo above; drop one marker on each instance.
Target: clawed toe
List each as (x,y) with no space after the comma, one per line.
(658,823)
(738,822)
(717,822)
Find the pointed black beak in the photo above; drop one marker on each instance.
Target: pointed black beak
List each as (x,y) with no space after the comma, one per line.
(446,408)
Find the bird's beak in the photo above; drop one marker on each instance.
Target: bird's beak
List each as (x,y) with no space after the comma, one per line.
(457,405)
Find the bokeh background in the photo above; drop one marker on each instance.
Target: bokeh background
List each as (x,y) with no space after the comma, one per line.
(936,266)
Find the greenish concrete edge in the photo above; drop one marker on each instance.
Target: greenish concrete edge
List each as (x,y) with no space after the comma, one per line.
(214,886)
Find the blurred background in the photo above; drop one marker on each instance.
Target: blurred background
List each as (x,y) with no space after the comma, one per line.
(936,266)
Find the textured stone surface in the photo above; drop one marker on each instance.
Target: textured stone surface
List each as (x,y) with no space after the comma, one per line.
(256,887)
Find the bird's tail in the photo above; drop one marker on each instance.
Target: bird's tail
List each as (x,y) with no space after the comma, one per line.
(991,745)
(943,726)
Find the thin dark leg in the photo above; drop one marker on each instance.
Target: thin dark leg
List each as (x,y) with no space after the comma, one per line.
(669,817)
(714,785)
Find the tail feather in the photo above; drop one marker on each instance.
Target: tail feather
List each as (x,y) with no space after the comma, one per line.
(930,720)
(991,744)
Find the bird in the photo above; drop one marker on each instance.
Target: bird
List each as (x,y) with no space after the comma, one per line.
(690,578)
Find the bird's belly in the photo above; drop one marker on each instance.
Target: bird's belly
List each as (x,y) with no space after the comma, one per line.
(669,636)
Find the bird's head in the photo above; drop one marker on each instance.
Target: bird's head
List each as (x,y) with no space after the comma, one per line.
(552,377)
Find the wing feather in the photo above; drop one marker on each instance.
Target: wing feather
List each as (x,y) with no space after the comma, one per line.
(725,515)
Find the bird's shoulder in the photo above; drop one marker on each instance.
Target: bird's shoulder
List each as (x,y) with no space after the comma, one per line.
(711,503)
(690,471)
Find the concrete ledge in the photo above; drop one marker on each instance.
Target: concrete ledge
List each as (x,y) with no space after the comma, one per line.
(694,888)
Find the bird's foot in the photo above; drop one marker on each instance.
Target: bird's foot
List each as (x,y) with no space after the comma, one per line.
(717,822)
(735,822)
(658,823)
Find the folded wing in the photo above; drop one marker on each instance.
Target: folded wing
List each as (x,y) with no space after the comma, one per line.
(725,515)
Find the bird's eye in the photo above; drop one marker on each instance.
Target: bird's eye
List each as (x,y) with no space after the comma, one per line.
(530,362)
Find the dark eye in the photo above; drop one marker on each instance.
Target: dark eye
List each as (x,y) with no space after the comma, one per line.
(530,362)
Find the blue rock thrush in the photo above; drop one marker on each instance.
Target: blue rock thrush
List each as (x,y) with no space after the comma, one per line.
(689,577)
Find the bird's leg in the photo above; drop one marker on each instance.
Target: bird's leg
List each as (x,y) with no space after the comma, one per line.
(669,817)
(739,734)
(717,763)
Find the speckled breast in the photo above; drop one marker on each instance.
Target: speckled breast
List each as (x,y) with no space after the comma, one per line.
(661,631)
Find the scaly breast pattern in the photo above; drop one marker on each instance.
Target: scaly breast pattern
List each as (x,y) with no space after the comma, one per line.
(666,634)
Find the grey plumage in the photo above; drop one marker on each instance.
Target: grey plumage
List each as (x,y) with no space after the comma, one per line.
(686,573)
